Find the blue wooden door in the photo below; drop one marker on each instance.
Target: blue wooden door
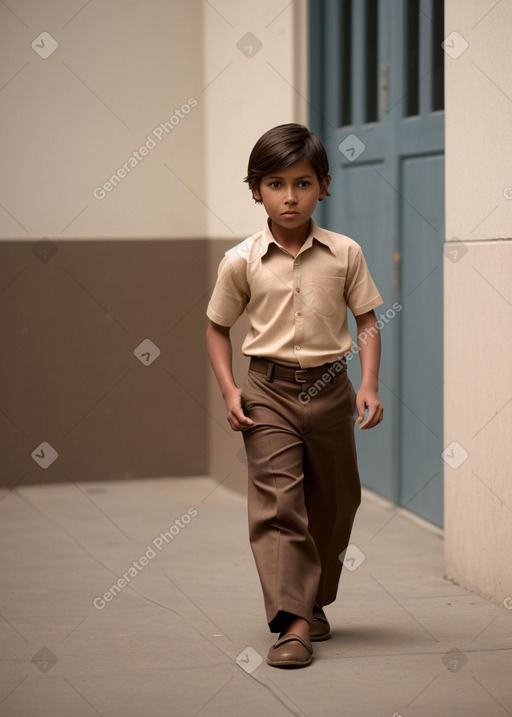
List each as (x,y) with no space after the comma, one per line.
(376,91)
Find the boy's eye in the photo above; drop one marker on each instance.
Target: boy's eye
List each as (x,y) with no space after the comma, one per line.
(303,183)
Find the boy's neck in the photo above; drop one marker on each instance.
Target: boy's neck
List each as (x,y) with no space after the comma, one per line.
(290,239)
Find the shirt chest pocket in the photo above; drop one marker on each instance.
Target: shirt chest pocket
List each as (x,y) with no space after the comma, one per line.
(326,294)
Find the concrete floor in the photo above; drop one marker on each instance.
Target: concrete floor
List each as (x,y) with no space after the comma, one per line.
(186,635)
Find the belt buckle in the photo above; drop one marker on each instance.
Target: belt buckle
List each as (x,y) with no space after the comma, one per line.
(298,378)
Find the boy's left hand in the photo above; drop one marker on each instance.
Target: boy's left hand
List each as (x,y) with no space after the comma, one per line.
(369,398)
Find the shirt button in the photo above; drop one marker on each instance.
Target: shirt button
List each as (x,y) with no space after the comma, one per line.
(298,313)
(297,289)
(297,348)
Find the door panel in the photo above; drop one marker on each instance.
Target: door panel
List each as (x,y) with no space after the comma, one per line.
(363,200)
(377,103)
(421,350)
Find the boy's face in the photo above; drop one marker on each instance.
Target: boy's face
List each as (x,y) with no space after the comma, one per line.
(290,195)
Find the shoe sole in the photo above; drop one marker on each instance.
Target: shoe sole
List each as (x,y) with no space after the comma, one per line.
(288,663)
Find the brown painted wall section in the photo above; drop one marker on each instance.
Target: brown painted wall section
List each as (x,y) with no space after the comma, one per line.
(72,314)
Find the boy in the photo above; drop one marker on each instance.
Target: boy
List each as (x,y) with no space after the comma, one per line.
(296,406)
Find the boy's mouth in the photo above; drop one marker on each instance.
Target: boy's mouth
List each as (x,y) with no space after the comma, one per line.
(289,213)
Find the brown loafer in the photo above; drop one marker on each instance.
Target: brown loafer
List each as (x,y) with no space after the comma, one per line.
(320,628)
(290,651)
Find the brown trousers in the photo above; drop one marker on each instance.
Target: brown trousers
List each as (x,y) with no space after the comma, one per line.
(304,489)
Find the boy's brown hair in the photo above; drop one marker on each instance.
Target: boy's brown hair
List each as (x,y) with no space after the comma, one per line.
(281,147)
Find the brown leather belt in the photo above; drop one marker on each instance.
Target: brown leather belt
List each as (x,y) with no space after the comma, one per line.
(302,375)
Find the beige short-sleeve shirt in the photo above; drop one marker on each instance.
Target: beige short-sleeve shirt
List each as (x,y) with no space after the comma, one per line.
(297,306)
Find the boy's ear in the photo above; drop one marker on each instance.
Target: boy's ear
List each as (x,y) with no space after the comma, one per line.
(256,193)
(324,188)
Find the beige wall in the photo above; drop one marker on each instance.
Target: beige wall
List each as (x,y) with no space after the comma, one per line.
(478,298)
(72,120)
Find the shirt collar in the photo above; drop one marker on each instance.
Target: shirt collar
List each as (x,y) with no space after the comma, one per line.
(315,232)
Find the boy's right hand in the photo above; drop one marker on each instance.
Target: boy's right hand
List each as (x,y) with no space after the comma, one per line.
(236,417)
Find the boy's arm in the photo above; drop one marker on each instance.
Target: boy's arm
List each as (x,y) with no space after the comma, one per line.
(368,341)
(218,344)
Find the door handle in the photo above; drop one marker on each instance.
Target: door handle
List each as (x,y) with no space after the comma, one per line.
(396,268)
(384,72)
